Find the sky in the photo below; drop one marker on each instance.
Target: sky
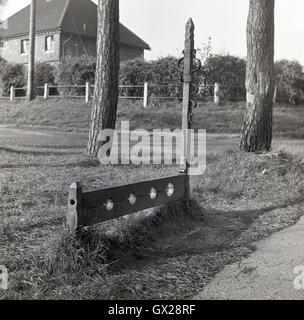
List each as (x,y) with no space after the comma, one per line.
(161,24)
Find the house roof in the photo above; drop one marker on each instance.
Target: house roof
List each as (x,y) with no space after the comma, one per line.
(67,16)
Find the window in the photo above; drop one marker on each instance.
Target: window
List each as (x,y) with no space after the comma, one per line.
(1,44)
(25,46)
(49,44)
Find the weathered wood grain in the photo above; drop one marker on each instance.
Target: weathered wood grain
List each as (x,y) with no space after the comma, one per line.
(74,214)
(94,204)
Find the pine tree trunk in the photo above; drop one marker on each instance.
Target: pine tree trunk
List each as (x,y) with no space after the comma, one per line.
(31,64)
(257,127)
(107,73)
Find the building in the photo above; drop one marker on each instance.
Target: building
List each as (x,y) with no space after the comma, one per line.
(64,28)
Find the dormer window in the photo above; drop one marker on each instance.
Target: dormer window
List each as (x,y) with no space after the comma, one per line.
(25,46)
(49,44)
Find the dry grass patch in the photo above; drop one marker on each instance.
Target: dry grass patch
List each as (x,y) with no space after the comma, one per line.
(168,253)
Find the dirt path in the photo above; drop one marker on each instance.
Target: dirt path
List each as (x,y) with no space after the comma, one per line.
(268,273)
(216,143)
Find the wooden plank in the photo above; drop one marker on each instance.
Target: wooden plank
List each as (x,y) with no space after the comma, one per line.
(74,213)
(94,204)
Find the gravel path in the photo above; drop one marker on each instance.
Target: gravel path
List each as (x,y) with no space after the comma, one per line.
(267,274)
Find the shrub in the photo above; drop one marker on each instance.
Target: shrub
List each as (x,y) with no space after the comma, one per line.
(75,71)
(226,69)
(162,71)
(44,73)
(289,81)
(229,71)
(11,75)
(134,73)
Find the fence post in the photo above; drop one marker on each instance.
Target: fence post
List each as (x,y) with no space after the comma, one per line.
(46,91)
(275,95)
(12,94)
(88,92)
(146,93)
(217,93)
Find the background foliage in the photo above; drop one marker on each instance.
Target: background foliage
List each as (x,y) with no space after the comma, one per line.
(11,75)
(290,82)
(228,70)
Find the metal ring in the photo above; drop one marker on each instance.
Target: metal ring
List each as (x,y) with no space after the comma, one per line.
(193,104)
(199,65)
(179,63)
(195,89)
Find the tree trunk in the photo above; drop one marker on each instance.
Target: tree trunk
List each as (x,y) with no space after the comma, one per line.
(31,64)
(107,73)
(257,127)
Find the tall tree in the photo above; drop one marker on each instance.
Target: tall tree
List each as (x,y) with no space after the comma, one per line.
(2,23)
(257,127)
(31,64)
(107,73)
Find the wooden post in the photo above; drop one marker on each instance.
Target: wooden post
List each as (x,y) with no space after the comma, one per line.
(74,214)
(217,93)
(12,93)
(275,95)
(146,93)
(88,92)
(46,91)
(31,65)
(106,90)
(187,105)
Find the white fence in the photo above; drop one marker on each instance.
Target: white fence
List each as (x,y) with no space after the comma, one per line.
(86,92)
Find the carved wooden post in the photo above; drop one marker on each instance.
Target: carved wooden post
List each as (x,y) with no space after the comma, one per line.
(187,103)
(74,208)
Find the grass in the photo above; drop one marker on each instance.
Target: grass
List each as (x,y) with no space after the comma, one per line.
(69,115)
(170,253)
